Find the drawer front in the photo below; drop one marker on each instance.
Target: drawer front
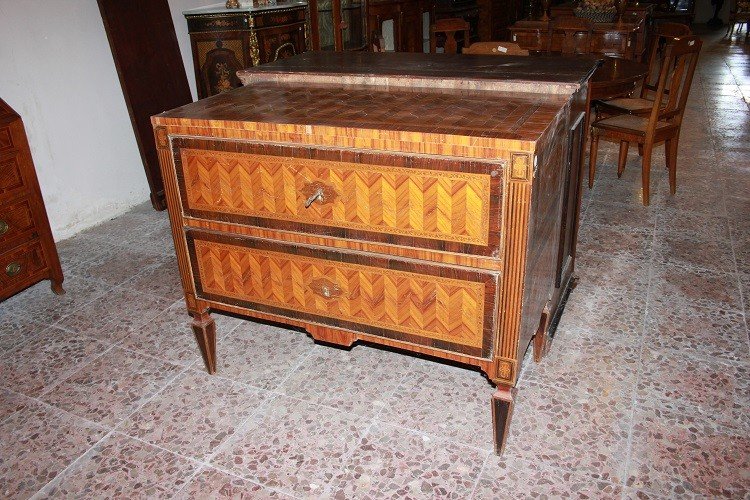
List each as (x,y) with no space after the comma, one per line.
(11,180)
(16,224)
(6,140)
(442,204)
(447,308)
(281,42)
(20,264)
(279,18)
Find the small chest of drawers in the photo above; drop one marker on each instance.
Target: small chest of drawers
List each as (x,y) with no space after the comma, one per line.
(27,250)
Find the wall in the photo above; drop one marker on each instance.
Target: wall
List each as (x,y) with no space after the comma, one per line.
(59,75)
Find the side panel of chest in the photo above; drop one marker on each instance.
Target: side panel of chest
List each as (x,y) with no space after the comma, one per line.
(441,204)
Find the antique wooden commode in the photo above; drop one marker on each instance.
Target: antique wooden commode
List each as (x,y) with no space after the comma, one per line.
(424,202)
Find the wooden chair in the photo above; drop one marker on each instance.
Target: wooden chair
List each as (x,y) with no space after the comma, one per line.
(496,49)
(737,17)
(641,106)
(576,34)
(449,28)
(663,123)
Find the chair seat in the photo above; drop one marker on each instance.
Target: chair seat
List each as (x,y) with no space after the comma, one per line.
(631,105)
(630,123)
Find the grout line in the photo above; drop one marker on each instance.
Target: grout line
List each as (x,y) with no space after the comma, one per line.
(479,476)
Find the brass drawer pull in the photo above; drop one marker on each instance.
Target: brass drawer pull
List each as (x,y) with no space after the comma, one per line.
(3,227)
(326,288)
(13,269)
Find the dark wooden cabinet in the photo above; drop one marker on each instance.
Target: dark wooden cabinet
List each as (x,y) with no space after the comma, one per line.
(225,41)
(27,251)
(496,17)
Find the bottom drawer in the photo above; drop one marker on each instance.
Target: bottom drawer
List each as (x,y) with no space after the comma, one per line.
(20,264)
(442,307)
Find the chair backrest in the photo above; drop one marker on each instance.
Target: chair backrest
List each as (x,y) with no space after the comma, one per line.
(665,34)
(675,79)
(450,28)
(576,34)
(496,48)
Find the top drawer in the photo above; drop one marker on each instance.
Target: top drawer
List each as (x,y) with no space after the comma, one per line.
(422,202)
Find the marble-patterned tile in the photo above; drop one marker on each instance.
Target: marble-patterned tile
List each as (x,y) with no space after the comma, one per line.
(161,280)
(78,249)
(717,390)
(123,229)
(607,314)
(117,265)
(739,213)
(259,354)
(600,272)
(675,285)
(114,315)
(37,443)
(45,360)
(517,479)
(714,255)
(621,216)
(122,467)
(741,247)
(712,333)
(684,456)
(15,330)
(582,432)
(446,401)
(686,224)
(615,242)
(588,364)
(215,484)
(10,402)
(397,463)
(294,446)
(357,380)
(702,199)
(41,305)
(112,386)
(194,414)
(169,336)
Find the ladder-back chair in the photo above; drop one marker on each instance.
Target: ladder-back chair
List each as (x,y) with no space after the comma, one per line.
(450,28)
(662,124)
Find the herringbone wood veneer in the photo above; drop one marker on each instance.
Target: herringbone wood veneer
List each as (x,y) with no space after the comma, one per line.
(428,306)
(450,206)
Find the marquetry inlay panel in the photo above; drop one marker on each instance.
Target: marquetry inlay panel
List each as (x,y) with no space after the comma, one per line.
(6,140)
(442,205)
(428,306)
(10,175)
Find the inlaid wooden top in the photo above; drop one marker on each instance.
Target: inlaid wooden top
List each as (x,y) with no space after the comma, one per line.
(545,74)
(372,103)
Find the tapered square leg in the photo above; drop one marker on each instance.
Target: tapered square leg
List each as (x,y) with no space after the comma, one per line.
(204,328)
(502,409)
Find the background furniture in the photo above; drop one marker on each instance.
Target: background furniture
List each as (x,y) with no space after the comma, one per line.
(450,34)
(148,61)
(227,40)
(612,39)
(495,48)
(338,24)
(371,214)
(663,123)
(572,35)
(27,251)
(496,17)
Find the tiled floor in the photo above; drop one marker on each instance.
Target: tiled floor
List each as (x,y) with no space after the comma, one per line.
(646,392)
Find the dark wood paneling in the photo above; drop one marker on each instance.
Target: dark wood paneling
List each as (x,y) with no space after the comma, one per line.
(147,56)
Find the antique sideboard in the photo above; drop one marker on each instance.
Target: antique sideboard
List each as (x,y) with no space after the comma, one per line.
(227,40)
(424,202)
(27,251)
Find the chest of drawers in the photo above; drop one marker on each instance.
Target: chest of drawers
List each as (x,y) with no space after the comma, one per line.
(388,198)
(27,251)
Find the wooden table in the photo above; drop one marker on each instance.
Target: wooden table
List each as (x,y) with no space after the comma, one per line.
(425,202)
(625,40)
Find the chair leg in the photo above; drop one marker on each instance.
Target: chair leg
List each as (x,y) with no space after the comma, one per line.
(623,159)
(646,171)
(640,149)
(671,152)
(592,156)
